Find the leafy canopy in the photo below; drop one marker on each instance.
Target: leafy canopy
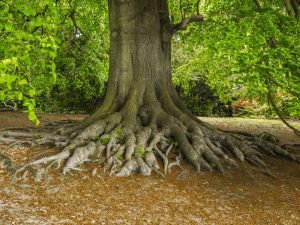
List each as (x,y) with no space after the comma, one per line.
(54,54)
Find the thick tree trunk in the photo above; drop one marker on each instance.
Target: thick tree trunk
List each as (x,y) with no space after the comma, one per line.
(139,54)
(140,59)
(142,118)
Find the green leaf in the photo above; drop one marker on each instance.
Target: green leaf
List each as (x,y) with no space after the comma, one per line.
(9,87)
(6,61)
(20,96)
(2,96)
(8,27)
(28,12)
(32,92)
(22,82)
(2,80)
(37,122)
(29,103)
(14,61)
(53,55)
(32,116)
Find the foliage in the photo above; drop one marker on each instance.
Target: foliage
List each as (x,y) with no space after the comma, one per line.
(82,62)
(27,51)
(246,52)
(54,55)
(190,82)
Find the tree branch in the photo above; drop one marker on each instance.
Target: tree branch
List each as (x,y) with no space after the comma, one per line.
(277,111)
(288,88)
(185,22)
(72,17)
(288,7)
(292,7)
(256,2)
(295,7)
(198,7)
(42,13)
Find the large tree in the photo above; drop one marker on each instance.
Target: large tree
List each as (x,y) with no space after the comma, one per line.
(142,117)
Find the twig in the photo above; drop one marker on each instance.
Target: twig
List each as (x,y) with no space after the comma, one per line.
(186,21)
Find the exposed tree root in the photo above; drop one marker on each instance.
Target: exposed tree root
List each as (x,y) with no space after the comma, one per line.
(130,141)
(61,124)
(142,120)
(6,163)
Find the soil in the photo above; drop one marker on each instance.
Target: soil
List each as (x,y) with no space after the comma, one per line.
(241,196)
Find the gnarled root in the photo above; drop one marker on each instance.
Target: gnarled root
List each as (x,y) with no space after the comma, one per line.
(136,140)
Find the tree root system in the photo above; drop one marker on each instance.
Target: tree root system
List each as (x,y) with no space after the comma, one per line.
(140,141)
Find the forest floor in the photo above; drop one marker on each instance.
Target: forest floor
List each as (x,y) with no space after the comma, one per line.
(241,196)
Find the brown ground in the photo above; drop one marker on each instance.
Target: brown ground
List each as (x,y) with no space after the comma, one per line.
(244,196)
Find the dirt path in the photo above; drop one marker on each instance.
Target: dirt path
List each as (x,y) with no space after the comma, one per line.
(244,196)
